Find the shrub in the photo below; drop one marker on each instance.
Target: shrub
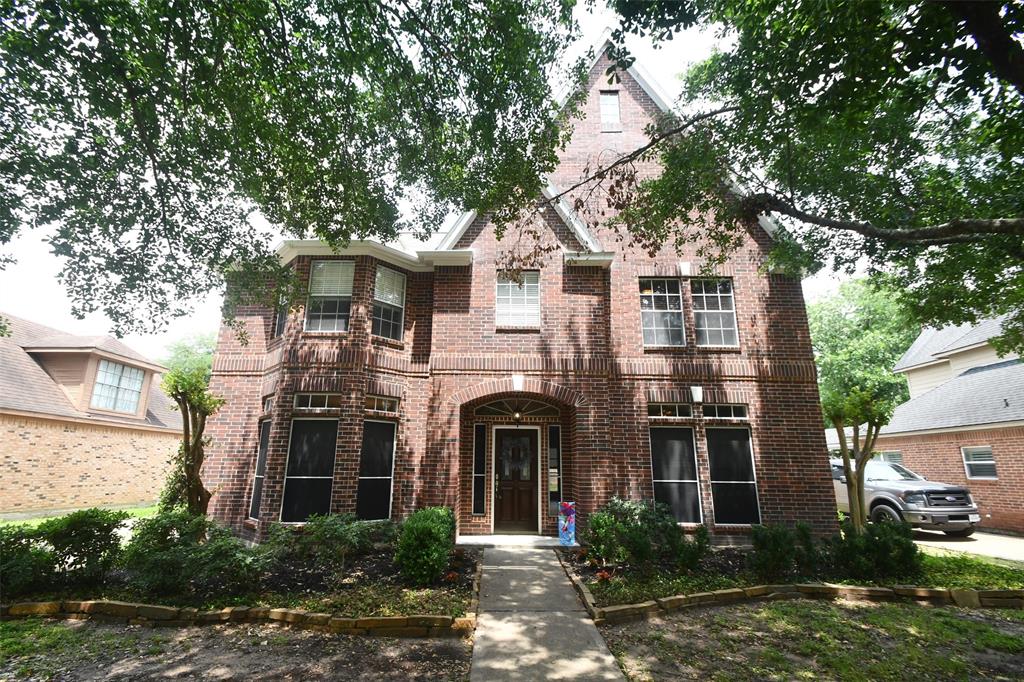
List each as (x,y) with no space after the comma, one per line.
(425,542)
(330,539)
(639,533)
(85,544)
(177,553)
(882,551)
(26,565)
(781,552)
(692,551)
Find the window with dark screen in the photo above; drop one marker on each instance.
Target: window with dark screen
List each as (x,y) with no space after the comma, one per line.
(310,472)
(733,486)
(259,470)
(376,468)
(674,469)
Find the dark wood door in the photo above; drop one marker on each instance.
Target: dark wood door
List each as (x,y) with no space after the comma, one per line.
(515,464)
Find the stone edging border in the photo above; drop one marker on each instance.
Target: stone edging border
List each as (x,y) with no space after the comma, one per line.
(152,615)
(1012,599)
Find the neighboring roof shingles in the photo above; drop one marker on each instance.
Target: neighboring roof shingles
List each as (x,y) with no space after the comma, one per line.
(26,387)
(990,394)
(933,344)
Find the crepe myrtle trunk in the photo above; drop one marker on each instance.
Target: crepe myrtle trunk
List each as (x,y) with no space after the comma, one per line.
(193,422)
(856,455)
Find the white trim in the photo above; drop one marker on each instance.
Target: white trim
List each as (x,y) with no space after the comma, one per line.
(946,353)
(101,352)
(288,456)
(289,249)
(446,257)
(494,469)
(903,370)
(394,451)
(753,470)
(565,212)
(600,259)
(696,468)
(967,469)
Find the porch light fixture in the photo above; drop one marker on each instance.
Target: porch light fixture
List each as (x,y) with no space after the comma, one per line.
(517,416)
(697,393)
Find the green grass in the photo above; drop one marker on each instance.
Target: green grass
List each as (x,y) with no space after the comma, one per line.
(949,571)
(136,512)
(39,644)
(810,640)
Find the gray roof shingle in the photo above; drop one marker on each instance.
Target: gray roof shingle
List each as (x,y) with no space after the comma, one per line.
(26,387)
(990,394)
(934,343)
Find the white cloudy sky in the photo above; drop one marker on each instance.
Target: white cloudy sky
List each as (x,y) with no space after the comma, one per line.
(30,288)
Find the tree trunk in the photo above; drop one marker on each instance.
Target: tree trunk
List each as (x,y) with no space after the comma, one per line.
(983,22)
(854,493)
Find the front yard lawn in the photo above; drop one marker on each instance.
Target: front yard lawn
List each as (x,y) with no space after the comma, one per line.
(727,567)
(79,650)
(804,639)
(135,512)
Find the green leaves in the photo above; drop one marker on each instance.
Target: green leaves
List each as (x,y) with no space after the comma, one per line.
(147,134)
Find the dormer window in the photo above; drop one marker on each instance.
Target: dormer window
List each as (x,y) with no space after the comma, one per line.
(117,388)
(610,122)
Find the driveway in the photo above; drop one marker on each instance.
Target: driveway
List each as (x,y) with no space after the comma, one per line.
(991,545)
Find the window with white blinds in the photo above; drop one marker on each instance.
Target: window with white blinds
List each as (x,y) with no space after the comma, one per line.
(330,295)
(518,305)
(117,387)
(610,121)
(388,304)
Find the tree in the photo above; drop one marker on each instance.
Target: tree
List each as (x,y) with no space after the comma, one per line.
(187,383)
(858,334)
(886,132)
(146,133)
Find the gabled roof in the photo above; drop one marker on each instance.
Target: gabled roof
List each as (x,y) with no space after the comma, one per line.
(990,394)
(25,387)
(575,224)
(933,345)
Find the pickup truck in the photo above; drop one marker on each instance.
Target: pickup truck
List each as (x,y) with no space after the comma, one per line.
(895,493)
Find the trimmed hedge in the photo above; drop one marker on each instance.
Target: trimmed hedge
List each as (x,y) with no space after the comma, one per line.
(425,543)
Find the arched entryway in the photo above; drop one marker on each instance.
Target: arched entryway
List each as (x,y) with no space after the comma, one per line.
(515,451)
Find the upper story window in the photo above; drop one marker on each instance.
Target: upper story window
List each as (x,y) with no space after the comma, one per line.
(979,462)
(518,304)
(388,304)
(661,312)
(117,388)
(280,318)
(714,312)
(610,121)
(330,295)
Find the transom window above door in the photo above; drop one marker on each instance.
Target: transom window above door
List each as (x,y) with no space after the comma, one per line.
(517,304)
(661,312)
(517,409)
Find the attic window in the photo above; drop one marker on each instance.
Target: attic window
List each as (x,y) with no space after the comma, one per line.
(610,122)
(118,387)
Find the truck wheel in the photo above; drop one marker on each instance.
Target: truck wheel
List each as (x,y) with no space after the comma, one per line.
(960,533)
(883,513)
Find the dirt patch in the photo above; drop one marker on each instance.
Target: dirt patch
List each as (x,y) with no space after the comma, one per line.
(826,640)
(80,650)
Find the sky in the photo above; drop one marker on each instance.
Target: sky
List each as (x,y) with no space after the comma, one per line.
(30,289)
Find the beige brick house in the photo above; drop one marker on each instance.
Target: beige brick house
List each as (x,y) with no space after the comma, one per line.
(82,421)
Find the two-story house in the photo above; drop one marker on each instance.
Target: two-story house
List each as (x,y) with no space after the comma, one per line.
(83,422)
(964,422)
(417,374)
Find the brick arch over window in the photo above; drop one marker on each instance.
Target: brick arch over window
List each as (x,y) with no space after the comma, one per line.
(547,389)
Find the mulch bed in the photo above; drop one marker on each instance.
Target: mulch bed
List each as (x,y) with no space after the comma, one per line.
(728,562)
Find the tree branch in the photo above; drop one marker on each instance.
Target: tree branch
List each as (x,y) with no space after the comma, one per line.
(983,23)
(956,231)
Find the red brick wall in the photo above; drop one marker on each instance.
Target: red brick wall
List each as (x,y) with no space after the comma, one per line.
(587,358)
(937,457)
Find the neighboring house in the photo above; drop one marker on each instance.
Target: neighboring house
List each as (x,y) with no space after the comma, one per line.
(82,421)
(964,422)
(416,374)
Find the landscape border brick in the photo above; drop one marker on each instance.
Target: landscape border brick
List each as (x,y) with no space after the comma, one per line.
(158,615)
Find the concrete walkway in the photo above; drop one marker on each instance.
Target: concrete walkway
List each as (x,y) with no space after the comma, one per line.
(532,625)
(1005,547)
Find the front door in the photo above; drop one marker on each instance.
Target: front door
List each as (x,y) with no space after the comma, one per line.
(515,473)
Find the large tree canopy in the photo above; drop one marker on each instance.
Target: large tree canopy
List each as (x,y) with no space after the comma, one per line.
(146,132)
(888,131)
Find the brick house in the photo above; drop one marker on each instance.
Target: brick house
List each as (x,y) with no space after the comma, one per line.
(415,374)
(83,422)
(964,422)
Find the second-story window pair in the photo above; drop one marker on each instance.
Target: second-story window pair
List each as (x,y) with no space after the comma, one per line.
(714,312)
(330,299)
